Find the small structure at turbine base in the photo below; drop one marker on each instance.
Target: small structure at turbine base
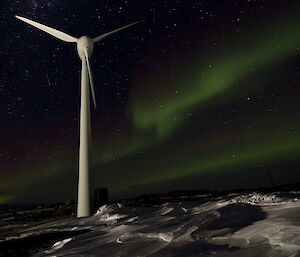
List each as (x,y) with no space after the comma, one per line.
(85,46)
(101,197)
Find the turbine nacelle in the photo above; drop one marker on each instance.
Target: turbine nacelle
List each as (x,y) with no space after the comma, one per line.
(85,44)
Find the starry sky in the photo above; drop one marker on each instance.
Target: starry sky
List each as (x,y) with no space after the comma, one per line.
(198,95)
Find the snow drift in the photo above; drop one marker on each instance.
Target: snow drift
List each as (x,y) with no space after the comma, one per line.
(245,225)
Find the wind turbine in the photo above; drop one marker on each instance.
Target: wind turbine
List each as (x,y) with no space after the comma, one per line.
(85,46)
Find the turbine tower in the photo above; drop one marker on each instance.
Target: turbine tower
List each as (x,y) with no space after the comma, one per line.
(85,46)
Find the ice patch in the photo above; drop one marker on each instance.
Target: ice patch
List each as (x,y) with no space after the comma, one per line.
(184,209)
(166,210)
(162,236)
(230,241)
(60,244)
(132,219)
(107,214)
(165,237)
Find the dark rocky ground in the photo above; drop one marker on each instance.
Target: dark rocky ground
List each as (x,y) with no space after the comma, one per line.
(15,218)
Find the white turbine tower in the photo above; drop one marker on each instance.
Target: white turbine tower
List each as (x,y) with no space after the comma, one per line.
(85,47)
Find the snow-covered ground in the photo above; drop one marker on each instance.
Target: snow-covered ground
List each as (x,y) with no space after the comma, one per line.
(234,225)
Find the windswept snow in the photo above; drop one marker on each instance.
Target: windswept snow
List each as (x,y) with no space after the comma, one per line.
(245,225)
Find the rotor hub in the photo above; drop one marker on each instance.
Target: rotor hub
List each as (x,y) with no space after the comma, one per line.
(85,43)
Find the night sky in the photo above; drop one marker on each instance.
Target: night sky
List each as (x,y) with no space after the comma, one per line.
(198,95)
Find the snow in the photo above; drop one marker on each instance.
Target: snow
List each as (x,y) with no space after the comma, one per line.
(60,244)
(234,225)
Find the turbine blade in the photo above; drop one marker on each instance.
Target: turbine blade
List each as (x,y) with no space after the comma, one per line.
(91,77)
(99,38)
(56,33)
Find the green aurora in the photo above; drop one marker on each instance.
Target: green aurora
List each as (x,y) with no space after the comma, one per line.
(239,149)
(203,86)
